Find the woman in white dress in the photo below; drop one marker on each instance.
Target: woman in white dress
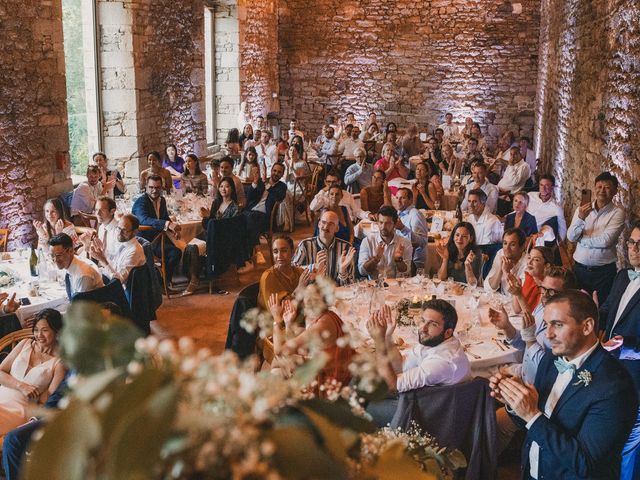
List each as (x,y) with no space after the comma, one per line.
(31,372)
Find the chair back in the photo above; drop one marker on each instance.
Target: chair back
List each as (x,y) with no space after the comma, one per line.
(4,238)
(10,340)
(139,294)
(239,340)
(227,244)
(111,292)
(89,220)
(156,281)
(469,424)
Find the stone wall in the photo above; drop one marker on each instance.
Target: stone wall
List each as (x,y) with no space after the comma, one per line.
(588,105)
(33,114)
(410,61)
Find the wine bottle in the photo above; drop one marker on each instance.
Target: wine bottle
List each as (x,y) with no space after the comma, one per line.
(459,212)
(33,263)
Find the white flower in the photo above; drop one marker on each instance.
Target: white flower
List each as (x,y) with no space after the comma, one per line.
(584,377)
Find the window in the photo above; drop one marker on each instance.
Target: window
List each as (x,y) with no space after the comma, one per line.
(210,75)
(78,22)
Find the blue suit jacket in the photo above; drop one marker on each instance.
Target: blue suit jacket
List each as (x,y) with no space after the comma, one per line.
(629,324)
(143,209)
(276,194)
(589,425)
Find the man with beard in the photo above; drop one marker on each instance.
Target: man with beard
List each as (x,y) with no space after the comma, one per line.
(129,254)
(510,260)
(438,358)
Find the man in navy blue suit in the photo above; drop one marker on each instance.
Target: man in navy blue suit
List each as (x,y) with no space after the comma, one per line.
(151,209)
(621,311)
(582,407)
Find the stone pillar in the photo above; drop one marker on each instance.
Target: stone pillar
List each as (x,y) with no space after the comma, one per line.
(33,116)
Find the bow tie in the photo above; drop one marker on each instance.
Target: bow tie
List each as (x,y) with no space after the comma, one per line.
(562,365)
(633,275)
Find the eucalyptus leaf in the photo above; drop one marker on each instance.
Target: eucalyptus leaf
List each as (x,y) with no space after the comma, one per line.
(395,464)
(134,449)
(63,451)
(88,388)
(298,456)
(339,412)
(332,434)
(308,371)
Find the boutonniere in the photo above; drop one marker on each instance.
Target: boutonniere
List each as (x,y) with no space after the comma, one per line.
(584,377)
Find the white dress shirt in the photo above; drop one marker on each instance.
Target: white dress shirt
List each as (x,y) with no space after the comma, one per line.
(514,177)
(321,200)
(530,159)
(449,130)
(348,146)
(488,228)
(368,249)
(487,187)
(85,197)
(630,291)
(415,230)
(108,235)
(496,271)
(267,155)
(84,276)
(129,255)
(444,364)
(543,211)
(597,235)
(559,386)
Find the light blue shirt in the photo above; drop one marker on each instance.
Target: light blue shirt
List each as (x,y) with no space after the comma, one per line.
(358,176)
(415,230)
(534,353)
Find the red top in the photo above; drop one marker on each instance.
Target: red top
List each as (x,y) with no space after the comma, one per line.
(337,366)
(530,291)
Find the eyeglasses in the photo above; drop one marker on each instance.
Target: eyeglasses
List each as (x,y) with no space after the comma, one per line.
(548,291)
(633,244)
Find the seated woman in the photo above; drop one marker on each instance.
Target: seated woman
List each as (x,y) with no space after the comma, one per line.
(320,324)
(294,165)
(283,277)
(155,168)
(461,258)
(173,163)
(375,195)
(109,178)
(520,218)
(370,134)
(526,296)
(299,141)
(250,160)
(345,227)
(247,134)
(233,142)
(225,205)
(55,222)
(392,165)
(193,180)
(425,191)
(31,372)
(456,164)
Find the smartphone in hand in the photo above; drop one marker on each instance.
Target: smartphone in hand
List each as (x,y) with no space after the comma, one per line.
(585,197)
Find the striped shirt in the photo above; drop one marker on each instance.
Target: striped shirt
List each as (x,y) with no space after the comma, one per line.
(309,248)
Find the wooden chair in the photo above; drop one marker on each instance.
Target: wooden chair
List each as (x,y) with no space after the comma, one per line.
(301,183)
(89,220)
(273,227)
(159,262)
(4,237)
(12,339)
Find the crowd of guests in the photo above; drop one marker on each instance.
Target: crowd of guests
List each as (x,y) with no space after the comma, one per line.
(577,318)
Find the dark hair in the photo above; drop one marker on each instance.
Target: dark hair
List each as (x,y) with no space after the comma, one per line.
(286,238)
(581,305)
(227,159)
(336,187)
(57,204)
(481,164)
(233,136)
(155,178)
(607,177)
(218,200)
(405,189)
(384,174)
(197,160)
(388,211)
(50,315)
(133,220)
(298,144)
(547,254)
(473,139)
(439,130)
(61,239)
(448,113)
(156,155)
(333,173)
(167,148)
(93,157)
(444,308)
(113,308)
(635,225)
(250,136)
(522,238)
(92,169)
(428,167)
(386,128)
(566,274)
(480,194)
(477,125)
(451,246)
(547,176)
(111,203)
(246,154)
(525,139)
(265,131)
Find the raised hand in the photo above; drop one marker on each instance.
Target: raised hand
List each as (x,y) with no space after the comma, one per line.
(346,259)
(275,307)
(506,265)
(12,305)
(380,250)
(398,252)
(289,312)
(59,226)
(389,319)
(442,251)
(584,210)
(500,318)
(305,278)
(528,319)
(376,327)
(514,285)
(470,259)
(523,399)
(205,212)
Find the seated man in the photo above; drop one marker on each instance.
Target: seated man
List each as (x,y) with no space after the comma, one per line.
(470,155)
(412,225)
(151,210)
(327,252)
(107,227)
(359,175)
(547,210)
(449,129)
(226,170)
(385,253)
(267,151)
(580,410)
(328,147)
(438,358)
(478,180)
(321,200)
(348,146)
(86,194)
(261,198)
(515,176)
(510,260)
(81,274)
(529,156)
(129,253)
(486,225)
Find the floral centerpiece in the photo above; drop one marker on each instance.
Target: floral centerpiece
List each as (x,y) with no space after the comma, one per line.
(7,277)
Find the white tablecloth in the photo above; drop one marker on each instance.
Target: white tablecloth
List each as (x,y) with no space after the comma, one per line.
(52,294)
(485,354)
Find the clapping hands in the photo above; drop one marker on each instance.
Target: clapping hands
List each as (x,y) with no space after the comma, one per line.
(521,398)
